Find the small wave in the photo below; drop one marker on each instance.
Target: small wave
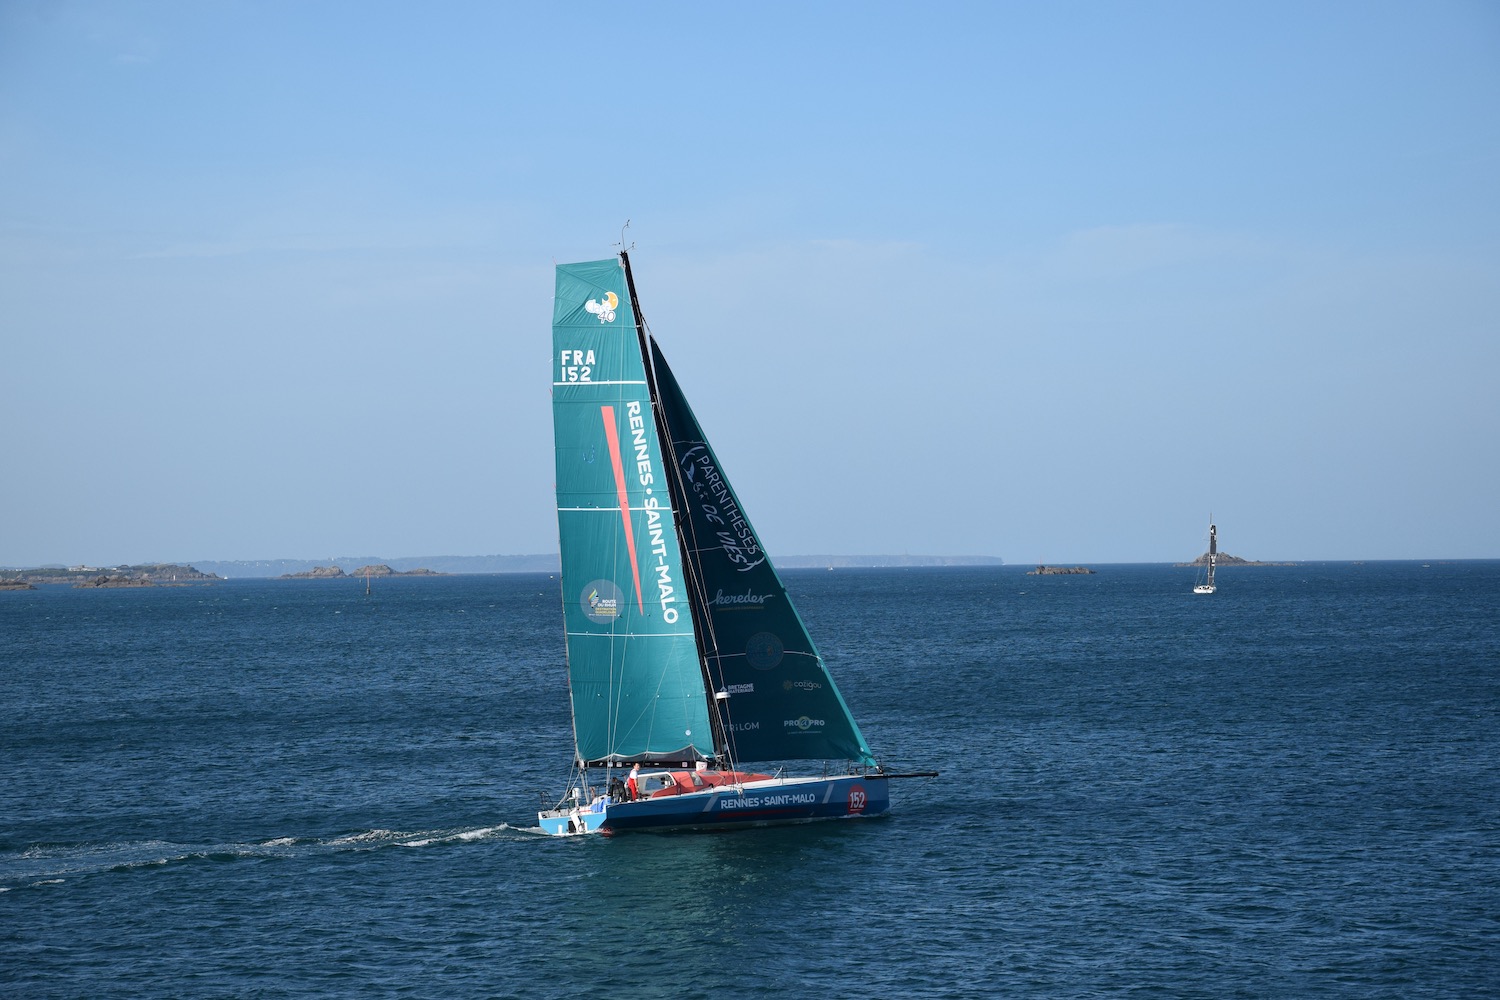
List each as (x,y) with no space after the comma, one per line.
(125,866)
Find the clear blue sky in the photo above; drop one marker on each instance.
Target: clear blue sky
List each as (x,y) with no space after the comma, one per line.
(1043,281)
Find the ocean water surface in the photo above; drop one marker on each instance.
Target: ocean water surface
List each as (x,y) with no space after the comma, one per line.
(291,789)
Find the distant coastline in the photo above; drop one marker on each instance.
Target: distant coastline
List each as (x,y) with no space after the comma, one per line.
(881,562)
(345,567)
(353,566)
(148,575)
(208,572)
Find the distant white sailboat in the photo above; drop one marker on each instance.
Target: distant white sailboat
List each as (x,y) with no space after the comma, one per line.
(1206,586)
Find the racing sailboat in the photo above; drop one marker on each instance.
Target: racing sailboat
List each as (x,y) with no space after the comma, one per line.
(1206,585)
(686,657)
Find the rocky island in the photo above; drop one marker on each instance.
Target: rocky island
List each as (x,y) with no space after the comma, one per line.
(335,573)
(1059,571)
(1225,559)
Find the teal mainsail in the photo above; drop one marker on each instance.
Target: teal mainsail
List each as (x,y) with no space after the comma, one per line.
(634,672)
(779,701)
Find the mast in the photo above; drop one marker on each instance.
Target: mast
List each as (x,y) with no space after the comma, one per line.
(702,622)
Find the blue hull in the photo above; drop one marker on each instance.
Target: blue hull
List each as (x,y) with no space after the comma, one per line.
(790,800)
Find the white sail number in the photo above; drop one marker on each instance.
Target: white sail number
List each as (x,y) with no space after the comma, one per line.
(576,366)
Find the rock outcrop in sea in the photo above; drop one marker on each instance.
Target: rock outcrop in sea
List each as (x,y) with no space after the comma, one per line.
(364,572)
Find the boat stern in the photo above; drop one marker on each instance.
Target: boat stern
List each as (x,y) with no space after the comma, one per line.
(567,822)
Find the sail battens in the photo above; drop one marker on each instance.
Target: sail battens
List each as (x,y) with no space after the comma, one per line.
(612,510)
(611,636)
(582,385)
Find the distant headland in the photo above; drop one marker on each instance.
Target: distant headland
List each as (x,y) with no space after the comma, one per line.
(149,575)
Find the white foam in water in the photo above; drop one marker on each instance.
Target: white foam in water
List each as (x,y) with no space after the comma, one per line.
(368,837)
(461,836)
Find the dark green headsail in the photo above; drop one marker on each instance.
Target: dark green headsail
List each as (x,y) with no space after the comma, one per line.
(634,672)
(781,703)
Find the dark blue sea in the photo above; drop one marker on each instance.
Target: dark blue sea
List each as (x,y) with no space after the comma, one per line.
(291,789)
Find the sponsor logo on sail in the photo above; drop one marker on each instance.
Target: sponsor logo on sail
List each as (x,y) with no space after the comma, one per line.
(804,724)
(717,506)
(601,602)
(764,650)
(744,727)
(801,686)
(749,600)
(656,526)
(739,689)
(604,309)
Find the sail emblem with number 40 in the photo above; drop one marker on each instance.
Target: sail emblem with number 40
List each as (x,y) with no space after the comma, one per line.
(686,657)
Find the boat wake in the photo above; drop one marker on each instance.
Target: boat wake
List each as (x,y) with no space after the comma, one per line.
(462,836)
(49,865)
